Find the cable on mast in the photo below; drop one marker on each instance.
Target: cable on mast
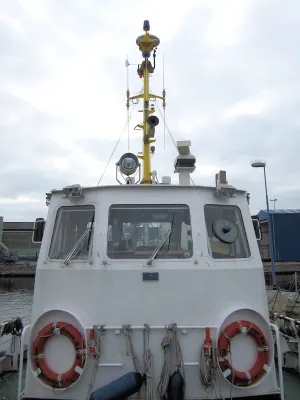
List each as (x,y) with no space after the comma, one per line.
(164,128)
(171,137)
(164,104)
(127,103)
(116,145)
(167,128)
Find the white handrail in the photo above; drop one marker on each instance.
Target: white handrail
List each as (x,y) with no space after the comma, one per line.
(121,365)
(23,338)
(159,327)
(278,347)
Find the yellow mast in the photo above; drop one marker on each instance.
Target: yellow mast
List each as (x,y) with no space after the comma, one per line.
(147,43)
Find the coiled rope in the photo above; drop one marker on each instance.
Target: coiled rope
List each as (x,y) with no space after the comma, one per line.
(148,360)
(165,374)
(172,352)
(98,332)
(13,327)
(208,368)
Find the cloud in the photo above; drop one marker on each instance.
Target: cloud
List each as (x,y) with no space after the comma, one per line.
(232,81)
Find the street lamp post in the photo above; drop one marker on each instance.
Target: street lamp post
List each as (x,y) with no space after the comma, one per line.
(262,164)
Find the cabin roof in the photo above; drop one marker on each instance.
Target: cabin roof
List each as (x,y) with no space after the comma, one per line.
(145,187)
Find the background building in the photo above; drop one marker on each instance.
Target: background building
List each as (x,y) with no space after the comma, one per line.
(17,236)
(285,225)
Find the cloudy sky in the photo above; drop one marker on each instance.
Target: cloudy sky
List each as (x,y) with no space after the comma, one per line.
(232,72)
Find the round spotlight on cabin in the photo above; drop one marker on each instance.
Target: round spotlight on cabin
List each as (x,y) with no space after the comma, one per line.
(128,164)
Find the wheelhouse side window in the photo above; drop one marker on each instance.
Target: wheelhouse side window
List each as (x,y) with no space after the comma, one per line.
(136,231)
(226,232)
(73,229)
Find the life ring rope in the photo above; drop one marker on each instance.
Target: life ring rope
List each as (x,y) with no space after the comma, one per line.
(56,330)
(243,330)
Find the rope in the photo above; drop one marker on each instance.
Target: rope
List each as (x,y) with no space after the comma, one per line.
(15,328)
(277,293)
(170,344)
(178,361)
(148,360)
(98,331)
(127,73)
(165,125)
(208,368)
(164,103)
(169,132)
(165,374)
(295,303)
(53,332)
(116,145)
(130,349)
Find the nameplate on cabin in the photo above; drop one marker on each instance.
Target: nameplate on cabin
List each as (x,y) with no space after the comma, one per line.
(150,276)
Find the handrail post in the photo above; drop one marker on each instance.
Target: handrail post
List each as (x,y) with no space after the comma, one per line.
(275,328)
(23,339)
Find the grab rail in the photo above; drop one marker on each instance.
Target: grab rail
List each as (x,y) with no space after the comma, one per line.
(24,337)
(278,348)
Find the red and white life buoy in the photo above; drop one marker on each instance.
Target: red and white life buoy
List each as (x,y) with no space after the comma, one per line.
(42,370)
(261,365)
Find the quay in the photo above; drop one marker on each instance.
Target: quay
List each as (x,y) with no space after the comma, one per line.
(20,270)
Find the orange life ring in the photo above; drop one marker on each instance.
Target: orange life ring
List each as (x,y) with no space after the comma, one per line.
(260,367)
(42,370)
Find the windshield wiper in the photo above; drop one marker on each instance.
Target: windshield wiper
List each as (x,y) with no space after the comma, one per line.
(155,252)
(87,233)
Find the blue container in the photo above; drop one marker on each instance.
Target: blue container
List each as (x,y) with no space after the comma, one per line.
(286,229)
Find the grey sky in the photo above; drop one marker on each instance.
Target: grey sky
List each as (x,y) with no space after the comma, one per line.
(232,82)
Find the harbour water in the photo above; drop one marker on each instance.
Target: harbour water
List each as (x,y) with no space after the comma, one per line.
(16,295)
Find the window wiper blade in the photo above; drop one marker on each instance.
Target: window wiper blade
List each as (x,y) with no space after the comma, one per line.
(155,252)
(79,241)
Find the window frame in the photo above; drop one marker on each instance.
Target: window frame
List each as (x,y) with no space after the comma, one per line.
(243,234)
(57,213)
(148,206)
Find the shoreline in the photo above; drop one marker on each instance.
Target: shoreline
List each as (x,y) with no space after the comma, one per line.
(17,270)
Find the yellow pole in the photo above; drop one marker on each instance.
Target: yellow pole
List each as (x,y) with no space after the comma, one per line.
(146,44)
(146,149)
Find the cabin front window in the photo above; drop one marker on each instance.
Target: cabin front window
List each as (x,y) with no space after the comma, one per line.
(135,231)
(72,233)
(226,232)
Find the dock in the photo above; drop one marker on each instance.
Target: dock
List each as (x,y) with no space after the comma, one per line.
(20,270)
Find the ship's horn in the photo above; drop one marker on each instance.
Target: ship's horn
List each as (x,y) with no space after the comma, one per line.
(152,121)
